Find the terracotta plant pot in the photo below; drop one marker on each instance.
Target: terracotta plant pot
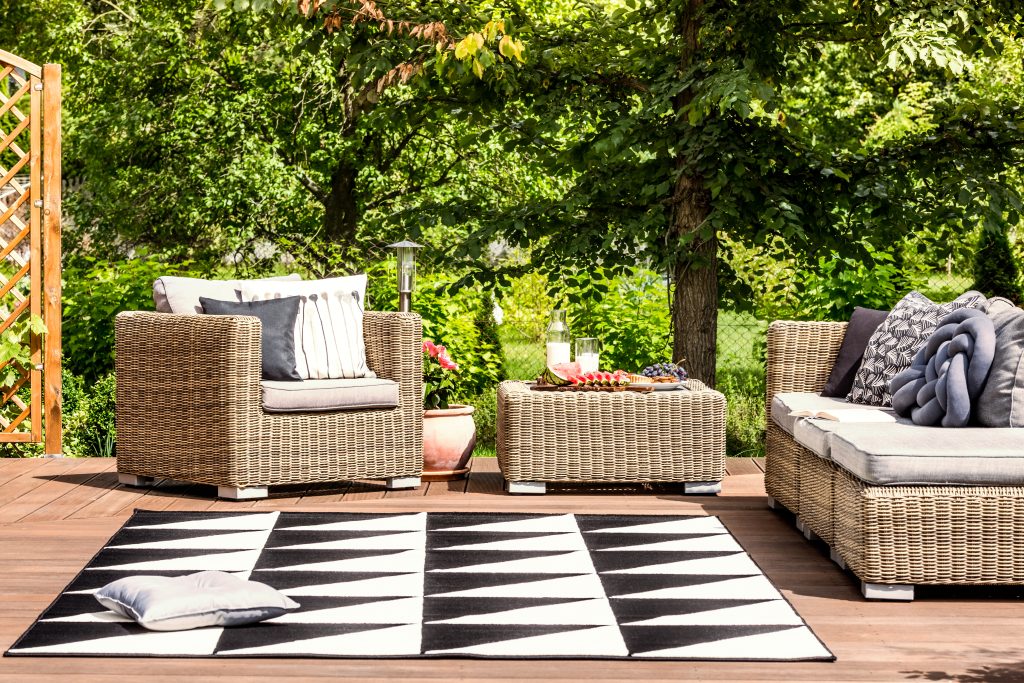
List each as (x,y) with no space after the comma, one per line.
(449,436)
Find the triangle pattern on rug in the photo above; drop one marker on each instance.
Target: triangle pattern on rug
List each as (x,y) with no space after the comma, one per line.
(336,640)
(539,641)
(519,611)
(445,585)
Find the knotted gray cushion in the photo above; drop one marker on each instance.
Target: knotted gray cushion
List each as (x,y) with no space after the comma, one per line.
(943,383)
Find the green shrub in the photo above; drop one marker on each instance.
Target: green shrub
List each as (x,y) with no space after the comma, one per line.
(995,269)
(486,418)
(832,289)
(89,416)
(94,293)
(744,389)
(462,321)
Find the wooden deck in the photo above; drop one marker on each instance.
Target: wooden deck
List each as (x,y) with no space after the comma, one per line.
(55,514)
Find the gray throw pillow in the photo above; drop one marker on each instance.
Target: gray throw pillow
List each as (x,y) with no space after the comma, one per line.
(1001,403)
(862,325)
(180,295)
(162,603)
(278,335)
(897,340)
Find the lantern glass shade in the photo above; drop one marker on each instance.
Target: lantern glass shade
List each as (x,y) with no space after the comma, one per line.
(406,253)
(406,268)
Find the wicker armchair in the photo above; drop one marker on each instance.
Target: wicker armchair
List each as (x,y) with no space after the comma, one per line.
(189,408)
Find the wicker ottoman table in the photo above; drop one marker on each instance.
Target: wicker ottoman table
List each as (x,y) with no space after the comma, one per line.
(562,436)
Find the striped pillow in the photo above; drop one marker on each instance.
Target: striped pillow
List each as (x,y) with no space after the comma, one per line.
(329,328)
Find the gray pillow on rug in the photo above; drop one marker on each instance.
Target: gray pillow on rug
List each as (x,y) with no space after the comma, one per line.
(897,340)
(161,603)
(181,294)
(1001,403)
(277,339)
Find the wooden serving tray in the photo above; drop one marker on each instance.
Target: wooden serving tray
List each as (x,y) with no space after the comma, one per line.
(550,387)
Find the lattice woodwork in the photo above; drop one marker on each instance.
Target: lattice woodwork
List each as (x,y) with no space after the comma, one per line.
(29,245)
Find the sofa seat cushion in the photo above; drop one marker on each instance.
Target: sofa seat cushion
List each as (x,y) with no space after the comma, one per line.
(816,435)
(322,395)
(893,454)
(786,403)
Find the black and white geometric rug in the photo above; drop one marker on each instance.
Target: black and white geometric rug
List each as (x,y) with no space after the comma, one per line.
(445,585)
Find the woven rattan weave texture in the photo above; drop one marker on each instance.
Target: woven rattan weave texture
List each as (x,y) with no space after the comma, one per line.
(663,436)
(800,357)
(189,406)
(885,534)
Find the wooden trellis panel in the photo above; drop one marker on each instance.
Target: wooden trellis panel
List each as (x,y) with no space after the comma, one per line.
(30,185)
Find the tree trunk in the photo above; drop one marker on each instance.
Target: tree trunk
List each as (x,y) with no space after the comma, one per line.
(695,300)
(341,215)
(695,269)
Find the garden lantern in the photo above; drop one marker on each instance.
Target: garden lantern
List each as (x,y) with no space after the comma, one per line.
(406,251)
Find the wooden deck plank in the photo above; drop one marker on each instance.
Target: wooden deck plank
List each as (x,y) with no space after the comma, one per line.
(948,634)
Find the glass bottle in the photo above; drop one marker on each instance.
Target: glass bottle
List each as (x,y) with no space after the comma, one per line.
(558,339)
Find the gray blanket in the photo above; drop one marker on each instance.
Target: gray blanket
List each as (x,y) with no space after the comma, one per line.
(943,383)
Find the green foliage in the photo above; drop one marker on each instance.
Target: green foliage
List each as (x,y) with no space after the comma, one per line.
(454,321)
(996,272)
(526,306)
(485,416)
(462,321)
(95,291)
(89,416)
(630,318)
(744,390)
(16,348)
(838,284)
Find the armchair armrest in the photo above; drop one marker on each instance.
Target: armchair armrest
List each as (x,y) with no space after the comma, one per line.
(394,351)
(184,380)
(801,355)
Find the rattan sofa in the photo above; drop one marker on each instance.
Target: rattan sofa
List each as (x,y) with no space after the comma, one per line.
(189,409)
(891,537)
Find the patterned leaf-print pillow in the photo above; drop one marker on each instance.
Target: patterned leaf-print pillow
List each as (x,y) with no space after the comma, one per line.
(894,344)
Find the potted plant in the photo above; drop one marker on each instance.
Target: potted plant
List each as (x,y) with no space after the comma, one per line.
(449,433)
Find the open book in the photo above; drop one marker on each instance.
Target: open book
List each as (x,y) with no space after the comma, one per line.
(847,415)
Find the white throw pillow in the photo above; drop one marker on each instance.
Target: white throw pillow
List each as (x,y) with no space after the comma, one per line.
(329,328)
(209,598)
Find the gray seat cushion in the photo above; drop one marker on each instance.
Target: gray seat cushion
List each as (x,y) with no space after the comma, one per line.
(909,454)
(815,435)
(322,395)
(786,403)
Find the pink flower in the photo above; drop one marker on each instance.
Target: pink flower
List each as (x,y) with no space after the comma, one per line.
(431,348)
(446,362)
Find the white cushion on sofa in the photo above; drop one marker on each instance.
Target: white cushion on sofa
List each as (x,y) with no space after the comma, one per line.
(321,395)
(786,403)
(329,328)
(909,454)
(180,295)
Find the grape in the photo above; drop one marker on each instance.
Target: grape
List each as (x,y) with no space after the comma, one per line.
(665,369)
